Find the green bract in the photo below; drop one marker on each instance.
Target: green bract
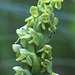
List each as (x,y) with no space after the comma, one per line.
(33,52)
(28,60)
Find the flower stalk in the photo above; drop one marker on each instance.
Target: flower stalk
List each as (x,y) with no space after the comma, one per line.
(33,50)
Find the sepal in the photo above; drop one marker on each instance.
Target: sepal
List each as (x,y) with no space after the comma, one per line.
(16,47)
(18,69)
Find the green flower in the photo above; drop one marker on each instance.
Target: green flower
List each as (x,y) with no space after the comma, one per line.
(34,11)
(45,17)
(30,21)
(49,9)
(58,5)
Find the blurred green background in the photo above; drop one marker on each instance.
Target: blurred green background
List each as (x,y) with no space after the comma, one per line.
(12,16)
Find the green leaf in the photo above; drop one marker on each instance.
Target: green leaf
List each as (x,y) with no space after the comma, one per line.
(18,69)
(34,11)
(36,64)
(16,47)
(28,60)
(58,5)
(51,18)
(41,40)
(31,47)
(49,9)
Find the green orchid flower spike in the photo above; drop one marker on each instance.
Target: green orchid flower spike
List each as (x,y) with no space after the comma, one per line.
(33,50)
